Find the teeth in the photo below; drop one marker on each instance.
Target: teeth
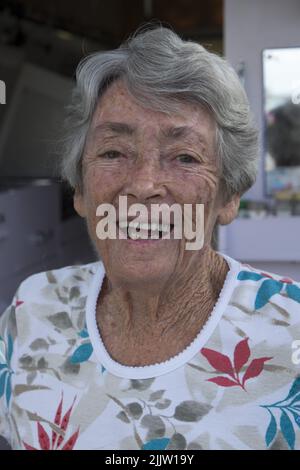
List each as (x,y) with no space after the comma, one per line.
(145,226)
(133,235)
(143,230)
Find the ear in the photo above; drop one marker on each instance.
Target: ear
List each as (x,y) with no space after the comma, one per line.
(78,201)
(229,212)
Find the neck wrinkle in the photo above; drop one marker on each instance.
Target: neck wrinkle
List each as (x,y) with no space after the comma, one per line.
(180,312)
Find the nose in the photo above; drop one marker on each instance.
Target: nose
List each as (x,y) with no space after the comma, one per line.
(144,181)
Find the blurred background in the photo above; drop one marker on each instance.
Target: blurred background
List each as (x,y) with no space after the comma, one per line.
(41,44)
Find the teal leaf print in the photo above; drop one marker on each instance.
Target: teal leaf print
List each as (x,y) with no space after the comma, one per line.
(268,288)
(156,444)
(82,353)
(296,418)
(295,400)
(249,276)
(295,388)
(83,333)
(10,348)
(287,429)
(288,405)
(293,292)
(8,389)
(6,352)
(2,382)
(271,431)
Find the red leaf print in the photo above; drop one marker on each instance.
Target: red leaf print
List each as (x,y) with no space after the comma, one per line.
(287,280)
(71,442)
(241,354)
(28,447)
(255,368)
(57,420)
(219,361)
(223,381)
(43,438)
(19,302)
(65,422)
(266,275)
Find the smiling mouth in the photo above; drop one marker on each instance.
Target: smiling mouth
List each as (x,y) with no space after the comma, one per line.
(145,231)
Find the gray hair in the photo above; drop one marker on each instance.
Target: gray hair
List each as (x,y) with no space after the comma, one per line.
(160,70)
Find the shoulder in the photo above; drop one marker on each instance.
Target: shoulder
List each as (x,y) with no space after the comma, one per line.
(47,309)
(49,300)
(37,286)
(267,289)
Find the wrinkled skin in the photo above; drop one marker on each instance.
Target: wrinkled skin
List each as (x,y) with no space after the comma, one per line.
(156,296)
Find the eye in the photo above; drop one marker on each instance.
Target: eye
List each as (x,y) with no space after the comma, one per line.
(184,158)
(111,155)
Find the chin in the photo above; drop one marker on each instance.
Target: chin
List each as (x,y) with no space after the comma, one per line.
(143,275)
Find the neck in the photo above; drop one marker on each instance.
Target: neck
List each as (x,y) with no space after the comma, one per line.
(132,321)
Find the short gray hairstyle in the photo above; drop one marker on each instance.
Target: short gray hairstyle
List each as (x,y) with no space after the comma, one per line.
(160,70)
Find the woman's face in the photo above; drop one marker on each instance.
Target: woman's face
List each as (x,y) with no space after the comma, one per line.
(151,158)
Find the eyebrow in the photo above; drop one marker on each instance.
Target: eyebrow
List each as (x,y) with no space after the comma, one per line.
(114,127)
(170,133)
(174,133)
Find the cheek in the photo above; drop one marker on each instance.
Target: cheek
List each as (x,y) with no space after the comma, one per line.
(101,185)
(198,188)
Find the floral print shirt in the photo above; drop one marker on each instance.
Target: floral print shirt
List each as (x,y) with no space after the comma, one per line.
(236,386)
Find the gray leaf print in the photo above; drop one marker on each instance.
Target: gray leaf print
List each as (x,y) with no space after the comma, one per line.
(279,443)
(163,404)
(51,278)
(61,320)
(69,368)
(64,300)
(156,395)
(134,410)
(26,361)
(81,302)
(12,324)
(141,384)
(177,442)
(81,320)
(74,292)
(194,446)
(42,364)
(19,389)
(191,411)
(156,426)
(31,377)
(123,417)
(39,343)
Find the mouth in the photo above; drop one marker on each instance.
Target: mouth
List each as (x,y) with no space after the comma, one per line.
(145,231)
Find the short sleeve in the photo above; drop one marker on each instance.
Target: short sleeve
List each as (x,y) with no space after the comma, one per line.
(7,346)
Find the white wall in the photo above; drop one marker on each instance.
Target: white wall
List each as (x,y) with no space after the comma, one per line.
(251,26)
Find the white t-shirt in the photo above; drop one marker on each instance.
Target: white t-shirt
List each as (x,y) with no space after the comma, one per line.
(236,386)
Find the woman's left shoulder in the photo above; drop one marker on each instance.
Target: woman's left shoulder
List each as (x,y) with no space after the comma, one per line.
(270,287)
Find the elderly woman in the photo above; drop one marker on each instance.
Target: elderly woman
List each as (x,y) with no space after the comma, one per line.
(156,346)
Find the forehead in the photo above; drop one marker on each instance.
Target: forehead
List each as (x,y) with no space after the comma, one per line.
(117,106)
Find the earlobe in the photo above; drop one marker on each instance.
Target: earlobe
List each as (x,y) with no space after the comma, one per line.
(79,203)
(229,212)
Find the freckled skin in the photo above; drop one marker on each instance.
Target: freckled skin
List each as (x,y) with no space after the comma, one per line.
(154,300)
